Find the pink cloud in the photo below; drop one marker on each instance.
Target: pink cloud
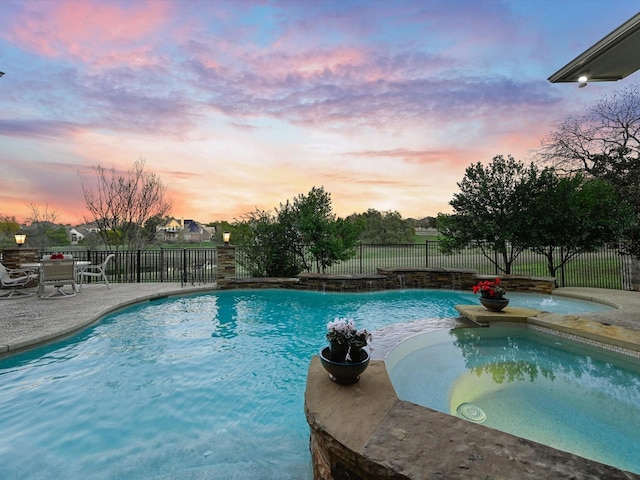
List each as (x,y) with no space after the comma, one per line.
(97,32)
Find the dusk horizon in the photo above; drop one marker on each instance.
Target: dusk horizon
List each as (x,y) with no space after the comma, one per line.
(238,105)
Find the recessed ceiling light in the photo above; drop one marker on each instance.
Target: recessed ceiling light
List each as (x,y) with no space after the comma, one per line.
(583,78)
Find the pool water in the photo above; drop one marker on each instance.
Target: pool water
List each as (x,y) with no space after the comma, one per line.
(532,384)
(202,386)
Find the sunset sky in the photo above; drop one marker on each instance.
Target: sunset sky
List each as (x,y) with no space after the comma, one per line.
(242,104)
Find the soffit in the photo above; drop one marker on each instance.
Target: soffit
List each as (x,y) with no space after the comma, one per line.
(612,58)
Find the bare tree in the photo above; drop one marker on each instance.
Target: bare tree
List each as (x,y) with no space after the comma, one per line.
(604,141)
(121,204)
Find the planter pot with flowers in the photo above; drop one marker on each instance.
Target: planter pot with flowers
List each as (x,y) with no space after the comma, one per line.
(491,295)
(345,358)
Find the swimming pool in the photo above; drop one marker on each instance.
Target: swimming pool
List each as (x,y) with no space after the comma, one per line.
(529,383)
(181,387)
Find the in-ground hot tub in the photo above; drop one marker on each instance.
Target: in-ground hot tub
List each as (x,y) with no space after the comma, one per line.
(530,383)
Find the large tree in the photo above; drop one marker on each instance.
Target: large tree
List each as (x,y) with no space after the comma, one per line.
(267,247)
(122,203)
(574,215)
(329,239)
(603,140)
(296,236)
(488,210)
(507,207)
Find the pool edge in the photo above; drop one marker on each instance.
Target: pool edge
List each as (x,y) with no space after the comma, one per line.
(366,431)
(616,336)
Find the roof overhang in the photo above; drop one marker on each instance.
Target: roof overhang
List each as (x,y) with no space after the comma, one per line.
(612,58)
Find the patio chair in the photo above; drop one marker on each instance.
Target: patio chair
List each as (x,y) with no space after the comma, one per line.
(15,279)
(96,271)
(57,273)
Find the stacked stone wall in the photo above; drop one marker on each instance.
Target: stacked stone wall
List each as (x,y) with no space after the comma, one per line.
(383,279)
(398,279)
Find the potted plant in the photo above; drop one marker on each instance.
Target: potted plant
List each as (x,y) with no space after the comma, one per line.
(345,358)
(491,294)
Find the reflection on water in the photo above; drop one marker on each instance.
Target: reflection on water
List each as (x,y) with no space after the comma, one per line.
(507,362)
(518,353)
(512,371)
(538,386)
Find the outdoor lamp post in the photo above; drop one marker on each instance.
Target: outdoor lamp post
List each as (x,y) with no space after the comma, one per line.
(20,239)
(226,237)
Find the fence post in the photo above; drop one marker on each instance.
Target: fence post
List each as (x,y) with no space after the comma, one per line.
(361,255)
(426,253)
(562,265)
(226,271)
(138,262)
(184,267)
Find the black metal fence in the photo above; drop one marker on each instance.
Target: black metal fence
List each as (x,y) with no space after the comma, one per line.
(163,265)
(605,268)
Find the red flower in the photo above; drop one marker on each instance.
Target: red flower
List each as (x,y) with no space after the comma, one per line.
(488,288)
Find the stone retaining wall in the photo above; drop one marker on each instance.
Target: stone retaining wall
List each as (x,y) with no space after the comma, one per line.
(395,279)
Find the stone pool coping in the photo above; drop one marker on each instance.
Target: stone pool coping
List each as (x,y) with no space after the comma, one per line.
(366,431)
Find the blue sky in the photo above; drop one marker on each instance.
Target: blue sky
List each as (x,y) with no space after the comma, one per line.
(244,104)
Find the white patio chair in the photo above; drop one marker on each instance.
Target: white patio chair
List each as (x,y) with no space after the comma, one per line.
(15,279)
(96,271)
(57,273)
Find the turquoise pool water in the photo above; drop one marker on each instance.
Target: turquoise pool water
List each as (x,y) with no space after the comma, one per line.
(207,386)
(535,385)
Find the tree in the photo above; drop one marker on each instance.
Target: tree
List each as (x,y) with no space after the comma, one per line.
(8,228)
(385,227)
(328,239)
(121,204)
(606,136)
(488,211)
(574,216)
(604,142)
(42,226)
(507,207)
(299,234)
(58,236)
(150,229)
(267,248)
